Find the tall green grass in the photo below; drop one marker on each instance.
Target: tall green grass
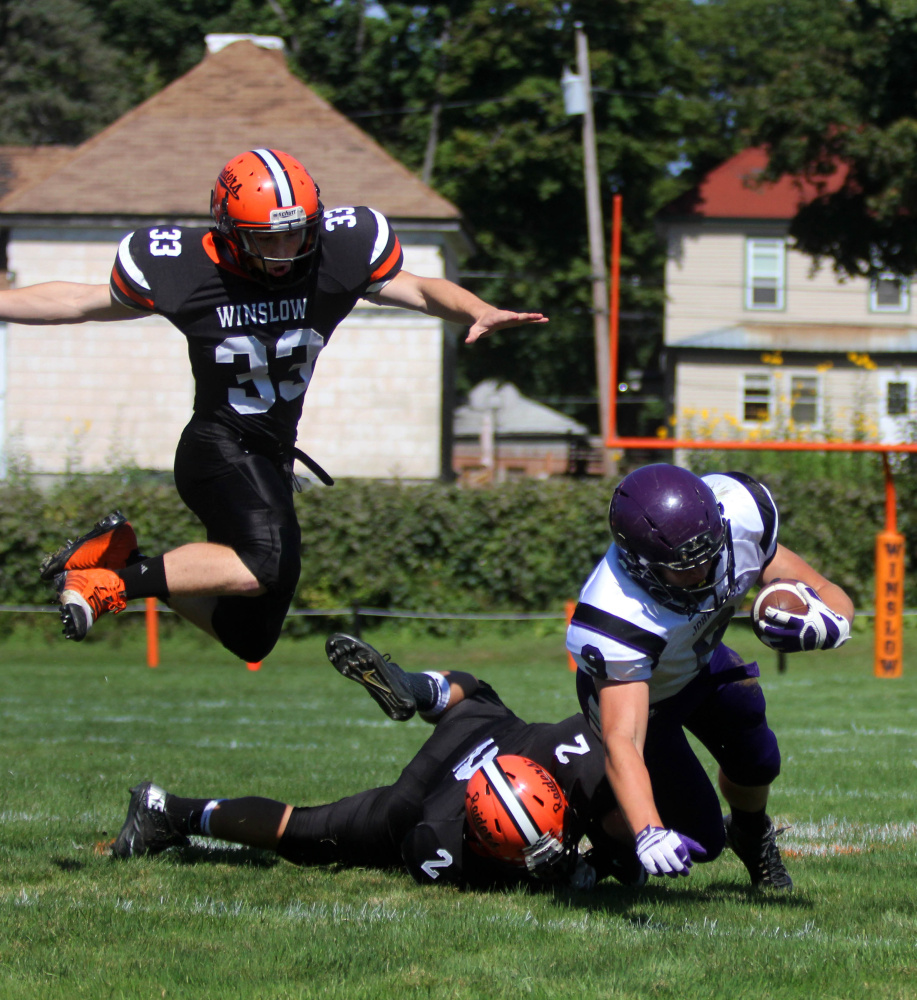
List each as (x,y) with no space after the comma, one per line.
(79,724)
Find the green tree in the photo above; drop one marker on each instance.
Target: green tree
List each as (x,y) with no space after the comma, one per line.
(60,82)
(830,88)
(470,91)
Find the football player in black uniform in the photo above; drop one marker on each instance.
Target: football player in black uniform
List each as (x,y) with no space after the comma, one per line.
(257,296)
(515,827)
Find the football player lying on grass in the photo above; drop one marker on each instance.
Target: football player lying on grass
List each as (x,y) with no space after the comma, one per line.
(488,800)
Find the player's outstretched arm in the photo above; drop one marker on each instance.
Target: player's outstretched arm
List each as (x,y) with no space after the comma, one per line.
(61,302)
(446,300)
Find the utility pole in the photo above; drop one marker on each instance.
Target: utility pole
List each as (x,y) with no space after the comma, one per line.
(578,100)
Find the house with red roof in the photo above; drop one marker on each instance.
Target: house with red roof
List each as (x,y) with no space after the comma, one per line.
(760,342)
(94,395)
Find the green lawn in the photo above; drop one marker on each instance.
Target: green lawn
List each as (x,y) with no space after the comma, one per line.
(79,724)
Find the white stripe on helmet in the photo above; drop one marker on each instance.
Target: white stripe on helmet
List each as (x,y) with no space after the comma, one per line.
(281,181)
(507,796)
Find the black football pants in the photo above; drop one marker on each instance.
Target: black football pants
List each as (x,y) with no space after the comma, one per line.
(245,500)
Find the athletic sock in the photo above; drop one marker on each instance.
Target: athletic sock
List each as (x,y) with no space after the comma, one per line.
(146,578)
(191,816)
(431,694)
(751,822)
(424,688)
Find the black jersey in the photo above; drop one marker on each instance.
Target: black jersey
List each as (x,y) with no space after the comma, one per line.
(437,851)
(253,349)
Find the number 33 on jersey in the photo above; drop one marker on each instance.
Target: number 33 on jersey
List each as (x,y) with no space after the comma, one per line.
(252,348)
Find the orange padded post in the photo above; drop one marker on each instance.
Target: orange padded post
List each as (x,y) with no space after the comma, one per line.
(889,587)
(152,632)
(569,608)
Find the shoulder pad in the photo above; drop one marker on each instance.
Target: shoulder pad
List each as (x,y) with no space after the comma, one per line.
(766,506)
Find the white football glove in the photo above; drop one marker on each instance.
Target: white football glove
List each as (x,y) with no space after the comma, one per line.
(818,628)
(665,852)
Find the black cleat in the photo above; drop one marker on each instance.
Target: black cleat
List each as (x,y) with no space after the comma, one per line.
(383,679)
(109,544)
(147,829)
(760,855)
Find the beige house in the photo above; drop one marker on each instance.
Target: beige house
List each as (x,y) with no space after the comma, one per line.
(758,342)
(93,395)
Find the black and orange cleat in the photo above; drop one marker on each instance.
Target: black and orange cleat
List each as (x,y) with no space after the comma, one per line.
(109,544)
(84,595)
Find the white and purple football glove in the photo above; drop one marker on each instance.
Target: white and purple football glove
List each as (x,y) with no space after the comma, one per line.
(818,628)
(665,852)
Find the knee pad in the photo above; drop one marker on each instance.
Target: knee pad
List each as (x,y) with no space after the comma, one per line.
(753,756)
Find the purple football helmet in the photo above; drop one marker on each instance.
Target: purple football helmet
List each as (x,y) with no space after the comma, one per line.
(665,517)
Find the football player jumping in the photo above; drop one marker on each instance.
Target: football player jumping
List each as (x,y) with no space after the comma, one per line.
(257,296)
(647,636)
(488,800)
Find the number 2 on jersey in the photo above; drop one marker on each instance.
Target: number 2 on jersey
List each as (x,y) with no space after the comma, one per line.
(258,376)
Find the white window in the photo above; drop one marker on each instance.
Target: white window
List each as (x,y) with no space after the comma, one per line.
(896,399)
(804,399)
(898,413)
(757,398)
(889,293)
(765,279)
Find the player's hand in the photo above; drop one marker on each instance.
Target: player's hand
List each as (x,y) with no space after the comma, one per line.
(501,319)
(818,628)
(665,852)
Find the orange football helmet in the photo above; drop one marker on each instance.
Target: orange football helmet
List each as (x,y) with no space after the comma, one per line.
(518,813)
(265,205)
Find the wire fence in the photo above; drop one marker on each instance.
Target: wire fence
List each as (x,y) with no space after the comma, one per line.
(356,612)
(359,610)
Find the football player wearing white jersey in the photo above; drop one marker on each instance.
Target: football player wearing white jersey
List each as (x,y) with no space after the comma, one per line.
(647,637)
(257,296)
(509,829)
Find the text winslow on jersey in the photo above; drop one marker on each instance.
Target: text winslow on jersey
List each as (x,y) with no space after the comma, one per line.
(261,313)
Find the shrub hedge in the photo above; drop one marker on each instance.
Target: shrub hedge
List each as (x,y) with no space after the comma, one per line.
(524,546)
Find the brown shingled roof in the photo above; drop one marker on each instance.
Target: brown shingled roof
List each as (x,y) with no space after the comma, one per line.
(161,158)
(20,165)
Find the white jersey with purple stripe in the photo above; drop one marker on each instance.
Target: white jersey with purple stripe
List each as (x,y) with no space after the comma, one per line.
(618,632)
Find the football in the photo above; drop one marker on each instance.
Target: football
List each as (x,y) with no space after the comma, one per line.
(780,594)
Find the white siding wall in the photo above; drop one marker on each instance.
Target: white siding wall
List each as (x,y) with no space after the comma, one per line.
(705,286)
(99,393)
(709,398)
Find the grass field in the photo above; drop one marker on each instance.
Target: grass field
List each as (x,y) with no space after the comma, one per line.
(80,724)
